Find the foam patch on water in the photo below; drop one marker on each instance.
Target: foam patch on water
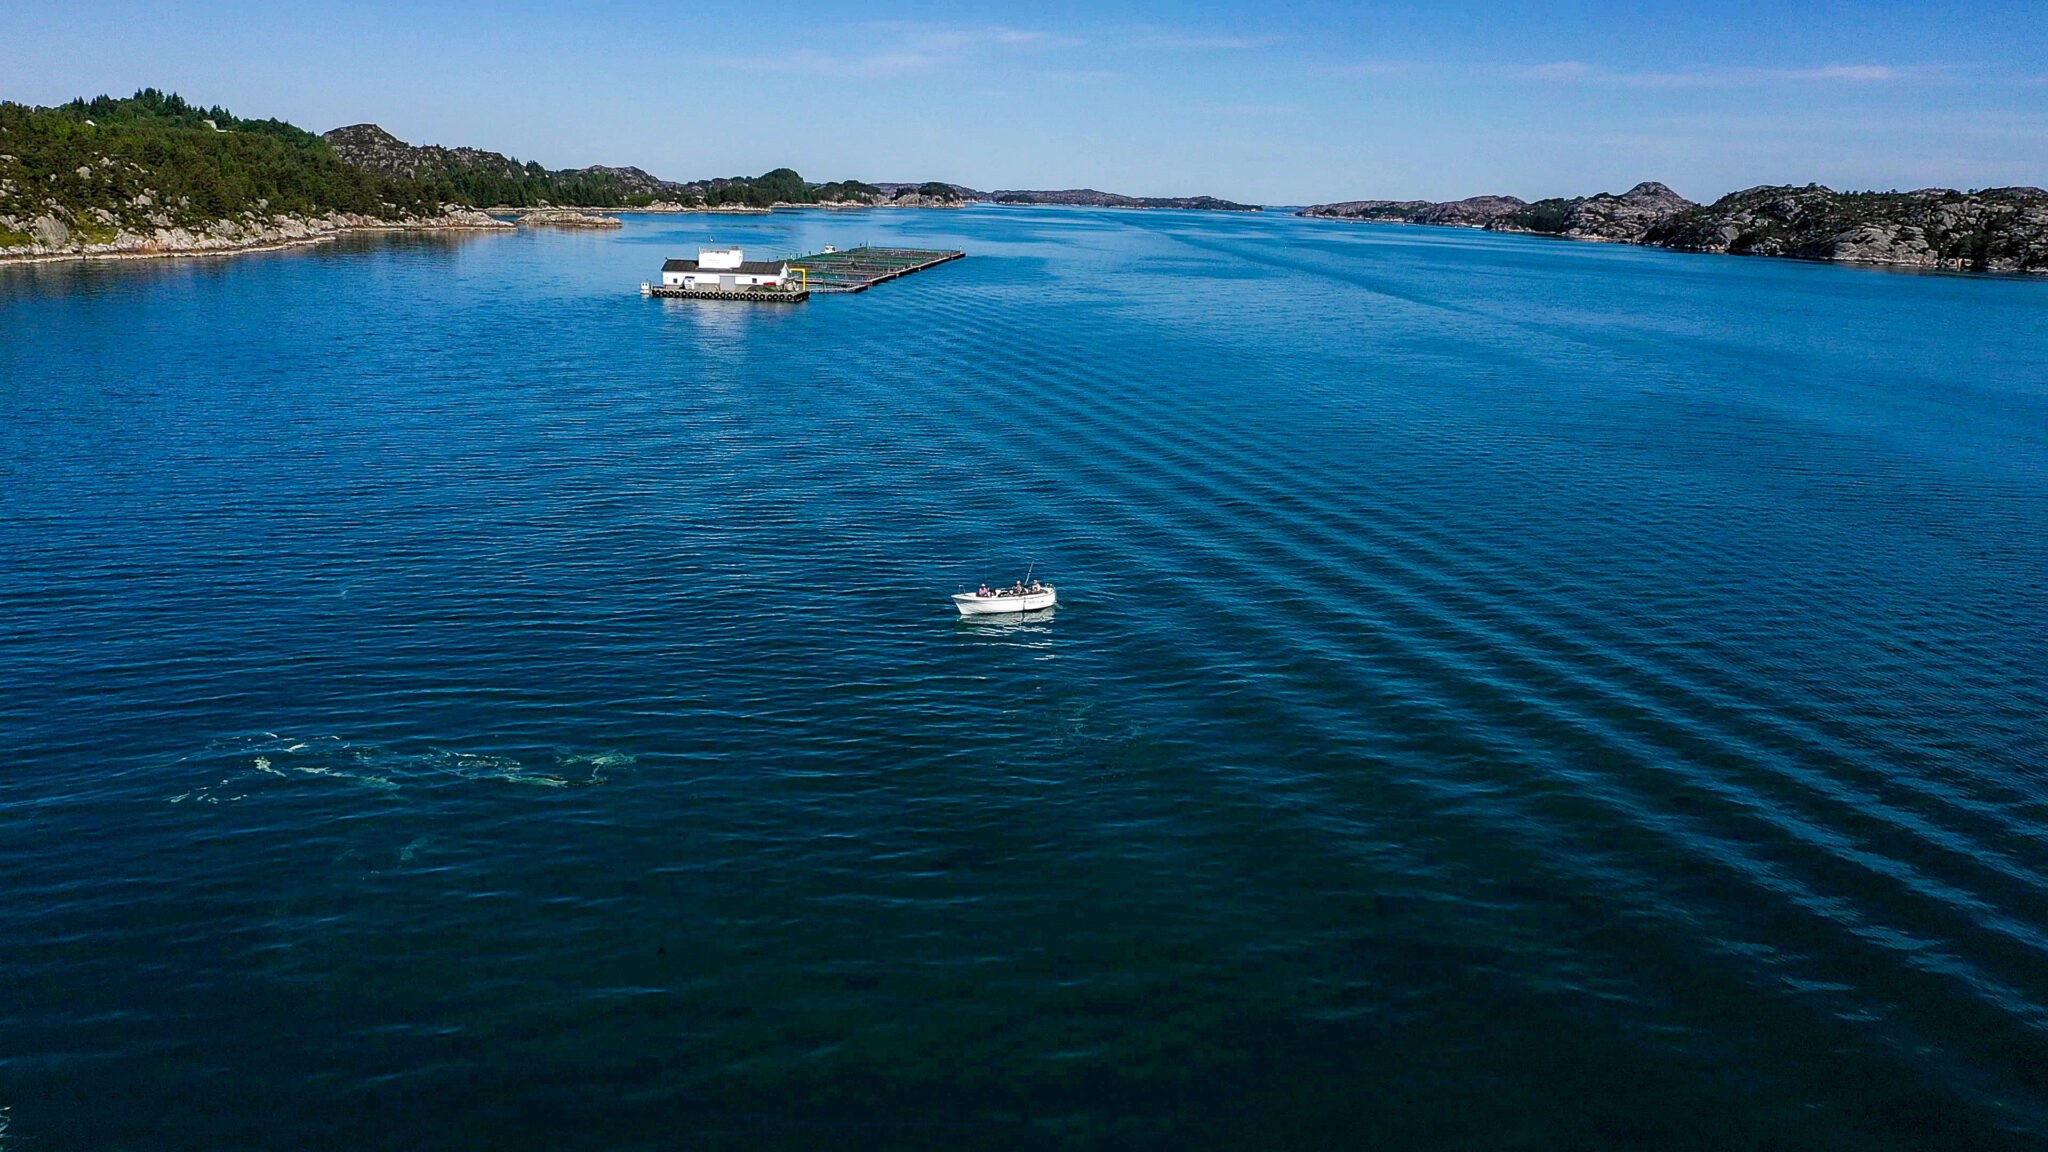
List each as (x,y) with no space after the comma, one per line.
(251,764)
(592,765)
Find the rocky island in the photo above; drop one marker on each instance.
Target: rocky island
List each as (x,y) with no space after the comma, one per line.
(1090,198)
(567,218)
(1994,230)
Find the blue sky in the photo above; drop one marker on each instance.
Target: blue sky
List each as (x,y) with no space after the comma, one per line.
(1278,103)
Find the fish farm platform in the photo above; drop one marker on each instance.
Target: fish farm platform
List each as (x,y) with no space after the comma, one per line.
(859,269)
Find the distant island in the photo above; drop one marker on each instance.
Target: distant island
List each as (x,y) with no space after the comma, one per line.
(1090,198)
(154,174)
(1994,230)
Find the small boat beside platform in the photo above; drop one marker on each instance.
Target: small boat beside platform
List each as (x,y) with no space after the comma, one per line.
(1019,597)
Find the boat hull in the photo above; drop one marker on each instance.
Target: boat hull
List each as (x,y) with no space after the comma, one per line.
(971,604)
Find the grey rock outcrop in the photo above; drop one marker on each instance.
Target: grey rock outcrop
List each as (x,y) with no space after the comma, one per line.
(1472,212)
(251,231)
(1626,218)
(568,218)
(1394,211)
(49,232)
(368,146)
(1995,230)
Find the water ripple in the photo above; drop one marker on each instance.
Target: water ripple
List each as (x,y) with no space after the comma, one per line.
(1544,679)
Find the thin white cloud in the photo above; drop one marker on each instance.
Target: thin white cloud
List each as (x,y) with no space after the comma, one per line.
(954,38)
(806,62)
(967,39)
(1210,43)
(1075,75)
(908,48)
(1257,109)
(1371,68)
(1579,72)
(1869,72)
(1564,70)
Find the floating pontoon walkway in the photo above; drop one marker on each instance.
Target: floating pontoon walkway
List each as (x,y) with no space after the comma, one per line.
(756,295)
(859,269)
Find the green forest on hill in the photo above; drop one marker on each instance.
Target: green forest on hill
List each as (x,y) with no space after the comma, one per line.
(102,164)
(530,186)
(784,186)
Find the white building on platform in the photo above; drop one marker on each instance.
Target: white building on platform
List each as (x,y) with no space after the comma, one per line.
(723,270)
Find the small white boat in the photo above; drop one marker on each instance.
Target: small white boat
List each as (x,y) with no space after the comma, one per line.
(1018,597)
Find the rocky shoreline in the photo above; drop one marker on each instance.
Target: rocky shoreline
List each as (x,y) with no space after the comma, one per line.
(53,241)
(566,218)
(667,208)
(660,208)
(231,237)
(1933,229)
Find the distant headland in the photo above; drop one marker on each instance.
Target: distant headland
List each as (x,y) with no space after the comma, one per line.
(1993,230)
(155,175)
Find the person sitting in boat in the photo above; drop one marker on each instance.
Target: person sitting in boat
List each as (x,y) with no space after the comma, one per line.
(984,591)
(1017,589)
(1034,585)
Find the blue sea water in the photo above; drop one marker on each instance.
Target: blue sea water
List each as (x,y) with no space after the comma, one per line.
(1505,694)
